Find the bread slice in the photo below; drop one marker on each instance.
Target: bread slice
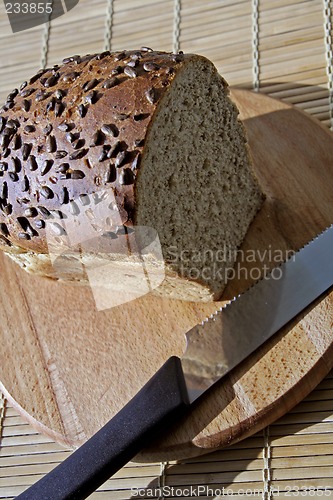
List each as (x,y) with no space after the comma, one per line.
(155,131)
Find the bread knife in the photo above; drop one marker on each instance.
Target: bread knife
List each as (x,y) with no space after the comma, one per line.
(214,347)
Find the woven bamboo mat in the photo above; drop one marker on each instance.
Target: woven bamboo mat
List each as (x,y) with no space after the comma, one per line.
(293,457)
(279,47)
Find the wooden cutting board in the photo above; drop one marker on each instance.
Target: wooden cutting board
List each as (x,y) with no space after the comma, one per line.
(68,368)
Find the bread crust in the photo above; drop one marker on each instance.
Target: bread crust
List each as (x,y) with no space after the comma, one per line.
(76,130)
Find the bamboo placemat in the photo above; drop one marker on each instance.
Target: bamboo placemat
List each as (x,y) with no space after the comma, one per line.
(279,47)
(292,457)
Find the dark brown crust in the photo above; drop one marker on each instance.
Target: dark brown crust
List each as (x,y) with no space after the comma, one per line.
(103,105)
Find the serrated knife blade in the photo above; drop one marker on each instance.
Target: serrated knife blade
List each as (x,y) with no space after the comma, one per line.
(232,333)
(214,347)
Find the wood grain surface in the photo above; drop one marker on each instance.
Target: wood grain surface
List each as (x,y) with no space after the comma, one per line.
(68,367)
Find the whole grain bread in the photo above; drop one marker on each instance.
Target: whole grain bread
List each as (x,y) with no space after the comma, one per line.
(152,137)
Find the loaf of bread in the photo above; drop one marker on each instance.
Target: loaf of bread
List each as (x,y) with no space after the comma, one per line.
(152,137)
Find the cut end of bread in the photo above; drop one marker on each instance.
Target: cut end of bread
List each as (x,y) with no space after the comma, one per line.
(196,185)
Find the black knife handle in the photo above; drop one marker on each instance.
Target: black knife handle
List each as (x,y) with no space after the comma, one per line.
(158,404)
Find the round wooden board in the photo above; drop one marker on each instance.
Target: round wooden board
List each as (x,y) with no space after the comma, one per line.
(68,368)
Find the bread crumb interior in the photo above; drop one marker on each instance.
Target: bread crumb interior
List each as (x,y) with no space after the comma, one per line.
(195,185)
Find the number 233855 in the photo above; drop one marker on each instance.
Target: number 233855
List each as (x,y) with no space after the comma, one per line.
(28,8)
